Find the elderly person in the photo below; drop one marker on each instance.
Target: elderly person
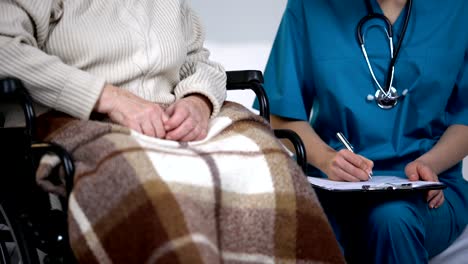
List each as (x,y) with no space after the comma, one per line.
(142,63)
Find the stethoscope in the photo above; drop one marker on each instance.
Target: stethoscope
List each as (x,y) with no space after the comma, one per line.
(386,97)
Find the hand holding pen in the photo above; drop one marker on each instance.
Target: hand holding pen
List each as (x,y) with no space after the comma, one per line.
(348,166)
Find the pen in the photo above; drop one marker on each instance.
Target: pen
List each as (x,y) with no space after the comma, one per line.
(347,145)
(344,141)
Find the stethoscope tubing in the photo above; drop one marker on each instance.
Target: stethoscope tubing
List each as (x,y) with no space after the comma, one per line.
(394,52)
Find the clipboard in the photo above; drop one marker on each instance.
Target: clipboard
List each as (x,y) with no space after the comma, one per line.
(376,184)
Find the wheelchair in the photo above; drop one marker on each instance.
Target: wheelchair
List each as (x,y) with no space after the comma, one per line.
(33,228)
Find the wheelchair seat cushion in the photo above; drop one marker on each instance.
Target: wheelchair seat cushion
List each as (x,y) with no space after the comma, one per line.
(234,197)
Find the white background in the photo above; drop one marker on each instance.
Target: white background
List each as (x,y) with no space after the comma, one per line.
(239,34)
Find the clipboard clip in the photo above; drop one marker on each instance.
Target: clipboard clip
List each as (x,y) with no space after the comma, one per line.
(387,186)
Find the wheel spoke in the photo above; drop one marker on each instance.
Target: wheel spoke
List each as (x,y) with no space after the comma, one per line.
(14,247)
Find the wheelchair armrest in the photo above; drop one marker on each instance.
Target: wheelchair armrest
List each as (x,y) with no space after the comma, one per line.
(9,86)
(301,154)
(253,80)
(12,90)
(239,77)
(40,149)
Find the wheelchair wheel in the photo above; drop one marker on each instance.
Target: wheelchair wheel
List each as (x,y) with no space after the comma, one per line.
(14,245)
(4,254)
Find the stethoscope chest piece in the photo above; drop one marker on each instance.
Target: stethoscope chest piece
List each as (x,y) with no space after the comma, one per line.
(387,101)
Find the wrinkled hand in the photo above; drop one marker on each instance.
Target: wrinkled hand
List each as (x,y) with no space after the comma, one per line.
(418,170)
(188,118)
(348,166)
(127,109)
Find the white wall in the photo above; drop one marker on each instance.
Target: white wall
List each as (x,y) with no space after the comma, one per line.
(240,20)
(239,35)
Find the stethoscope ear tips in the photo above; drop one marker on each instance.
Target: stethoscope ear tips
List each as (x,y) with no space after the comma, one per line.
(370,97)
(405,92)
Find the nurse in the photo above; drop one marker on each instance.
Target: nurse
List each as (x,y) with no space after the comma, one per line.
(410,120)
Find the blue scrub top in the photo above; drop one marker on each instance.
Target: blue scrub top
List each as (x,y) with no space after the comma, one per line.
(316,64)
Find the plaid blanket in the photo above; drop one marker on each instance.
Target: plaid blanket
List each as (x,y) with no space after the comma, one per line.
(235,197)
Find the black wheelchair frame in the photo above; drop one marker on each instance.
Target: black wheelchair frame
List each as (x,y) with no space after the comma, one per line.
(29,222)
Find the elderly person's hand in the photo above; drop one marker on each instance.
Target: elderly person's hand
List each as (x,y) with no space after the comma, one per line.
(188,118)
(127,109)
(420,171)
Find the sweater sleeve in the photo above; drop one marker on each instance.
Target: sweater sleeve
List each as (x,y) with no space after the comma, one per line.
(198,74)
(24,28)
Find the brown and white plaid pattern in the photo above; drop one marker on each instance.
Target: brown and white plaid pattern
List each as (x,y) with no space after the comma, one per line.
(235,197)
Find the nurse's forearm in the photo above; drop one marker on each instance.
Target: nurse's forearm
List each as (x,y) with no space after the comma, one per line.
(318,153)
(451,148)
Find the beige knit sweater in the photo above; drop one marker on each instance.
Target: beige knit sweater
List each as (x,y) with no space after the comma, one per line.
(66,50)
